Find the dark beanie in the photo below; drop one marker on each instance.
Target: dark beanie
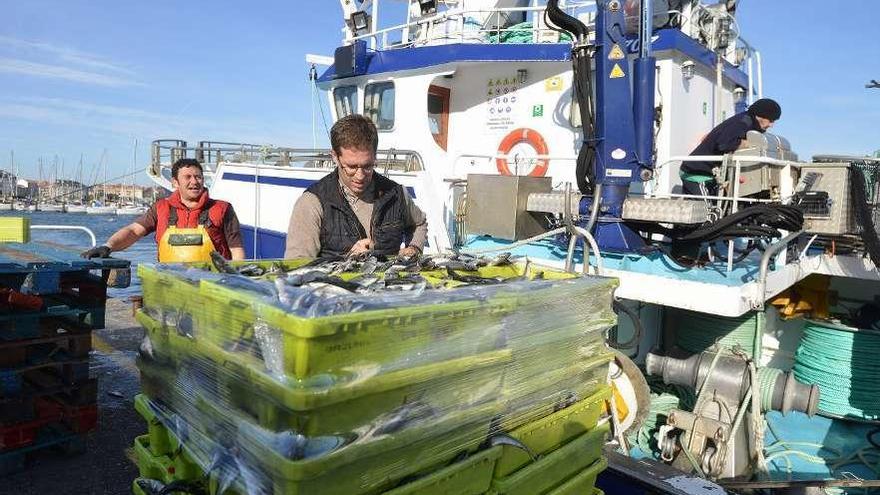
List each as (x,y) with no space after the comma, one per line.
(767,108)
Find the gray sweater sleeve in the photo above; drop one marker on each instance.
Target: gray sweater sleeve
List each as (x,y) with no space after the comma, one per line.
(304,230)
(420,223)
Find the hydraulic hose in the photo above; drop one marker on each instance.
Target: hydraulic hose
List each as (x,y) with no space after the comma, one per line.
(637,326)
(583,90)
(567,22)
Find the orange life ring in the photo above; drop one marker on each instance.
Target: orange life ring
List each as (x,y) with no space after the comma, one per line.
(533,139)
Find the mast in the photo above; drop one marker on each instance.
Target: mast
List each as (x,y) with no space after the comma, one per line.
(79,180)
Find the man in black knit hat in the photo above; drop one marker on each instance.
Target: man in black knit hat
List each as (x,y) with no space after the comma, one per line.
(726,137)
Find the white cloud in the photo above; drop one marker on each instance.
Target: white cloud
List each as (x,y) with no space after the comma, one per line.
(143,124)
(17,66)
(39,59)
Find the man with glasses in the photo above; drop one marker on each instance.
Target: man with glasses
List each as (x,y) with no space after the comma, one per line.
(354,210)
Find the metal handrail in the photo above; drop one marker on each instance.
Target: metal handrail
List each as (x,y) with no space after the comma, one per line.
(164,152)
(771,251)
(68,227)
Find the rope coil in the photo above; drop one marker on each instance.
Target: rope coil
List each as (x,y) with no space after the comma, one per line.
(843,362)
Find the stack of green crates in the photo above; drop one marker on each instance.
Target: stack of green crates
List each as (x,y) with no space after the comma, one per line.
(399,400)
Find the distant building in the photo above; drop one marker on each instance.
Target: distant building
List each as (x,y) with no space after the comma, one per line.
(61,191)
(122,192)
(7,184)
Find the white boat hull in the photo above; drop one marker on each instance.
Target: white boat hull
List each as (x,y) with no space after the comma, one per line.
(50,208)
(131,210)
(101,210)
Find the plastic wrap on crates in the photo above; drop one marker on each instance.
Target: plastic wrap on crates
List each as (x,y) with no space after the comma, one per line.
(288,378)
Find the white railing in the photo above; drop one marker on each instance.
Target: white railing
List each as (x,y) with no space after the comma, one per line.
(424,30)
(210,154)
(68,227)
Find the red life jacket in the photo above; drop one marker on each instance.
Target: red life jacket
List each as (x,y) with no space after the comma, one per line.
(207,212)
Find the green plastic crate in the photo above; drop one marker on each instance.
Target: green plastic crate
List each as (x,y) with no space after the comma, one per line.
(584,482)
(157,467)
(444,387)
(553,469)
(162,443)
(363,467)
(527,399)
(552,432)
(158,439)
(471,476)
(15,229)
(555,349)
(135,488)
(341,345)
(168,291)
(376,466)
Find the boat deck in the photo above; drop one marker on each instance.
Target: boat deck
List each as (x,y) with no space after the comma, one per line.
(657,279)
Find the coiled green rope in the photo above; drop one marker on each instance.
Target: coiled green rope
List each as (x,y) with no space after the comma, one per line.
(664,398)
(697,332)
(845,363)
(767,382)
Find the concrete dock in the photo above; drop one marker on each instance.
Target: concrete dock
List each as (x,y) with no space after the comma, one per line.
(107,467)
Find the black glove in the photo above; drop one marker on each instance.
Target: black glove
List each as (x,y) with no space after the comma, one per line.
(97,252)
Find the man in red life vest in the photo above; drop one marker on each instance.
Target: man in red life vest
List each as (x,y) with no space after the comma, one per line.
(188,224)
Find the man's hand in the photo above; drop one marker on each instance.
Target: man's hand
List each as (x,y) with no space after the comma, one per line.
(360,247)
(409,252)
(97,252)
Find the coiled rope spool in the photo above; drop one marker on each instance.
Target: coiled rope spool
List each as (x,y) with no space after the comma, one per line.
(845,363)
(697,332)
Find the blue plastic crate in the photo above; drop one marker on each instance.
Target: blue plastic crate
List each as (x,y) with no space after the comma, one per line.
(10,383)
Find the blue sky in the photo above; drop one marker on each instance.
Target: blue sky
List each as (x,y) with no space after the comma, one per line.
(85,77)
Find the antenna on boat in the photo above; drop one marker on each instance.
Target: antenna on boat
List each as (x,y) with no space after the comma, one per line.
(314,61)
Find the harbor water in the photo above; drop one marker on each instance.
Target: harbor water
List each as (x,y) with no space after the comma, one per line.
(144,251)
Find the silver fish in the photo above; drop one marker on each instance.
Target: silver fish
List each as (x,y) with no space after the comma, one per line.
(251,270)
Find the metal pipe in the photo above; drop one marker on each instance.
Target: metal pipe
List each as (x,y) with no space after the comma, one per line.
(566,218)
(375,15)
(594,210)
(68,227)
(771,250)
(751,98)
(760,75)
(645,75)
(645,28)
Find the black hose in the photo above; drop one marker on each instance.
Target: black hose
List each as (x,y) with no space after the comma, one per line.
(585,170)
(567,22)
(583,92)
(637,326)
(756,221)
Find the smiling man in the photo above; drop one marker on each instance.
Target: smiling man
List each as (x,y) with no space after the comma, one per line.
(353,209)
(188,224)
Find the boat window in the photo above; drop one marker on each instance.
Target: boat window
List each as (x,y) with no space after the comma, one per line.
(379,104)
(438,114)
(346,101)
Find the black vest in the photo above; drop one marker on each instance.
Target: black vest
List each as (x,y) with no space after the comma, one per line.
(340,227)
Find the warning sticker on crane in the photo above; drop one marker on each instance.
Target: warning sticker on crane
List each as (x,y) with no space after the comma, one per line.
(616,53)
(616,72)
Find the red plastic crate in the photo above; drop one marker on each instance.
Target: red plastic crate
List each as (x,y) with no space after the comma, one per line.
(19,435)
(82,419)
(49,410)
